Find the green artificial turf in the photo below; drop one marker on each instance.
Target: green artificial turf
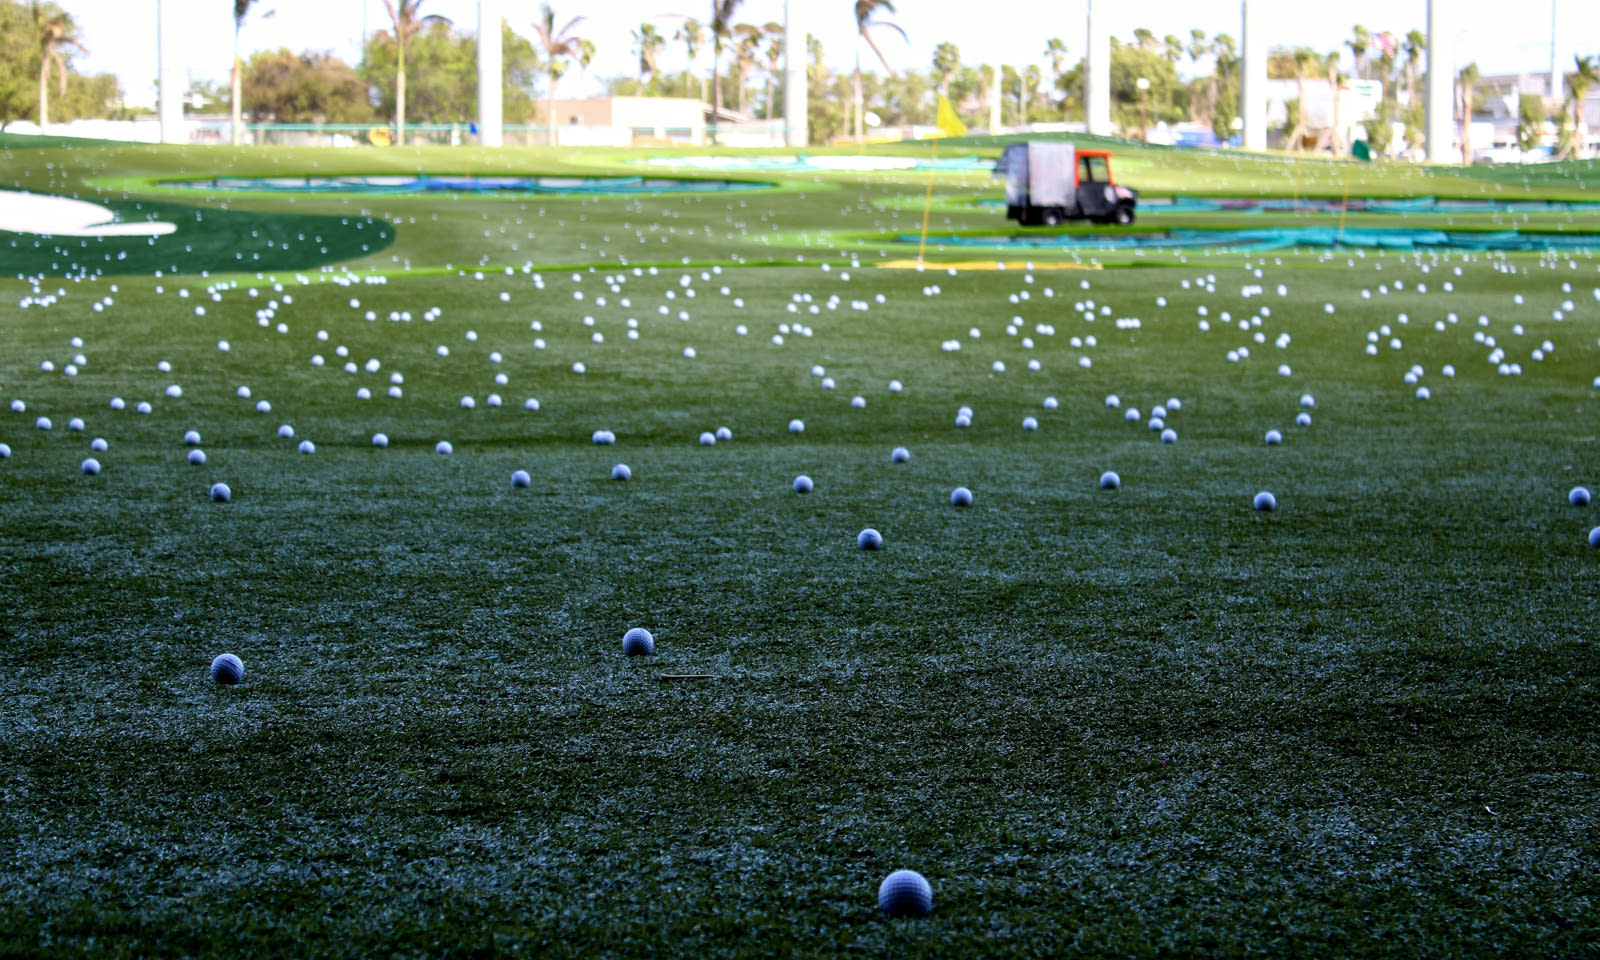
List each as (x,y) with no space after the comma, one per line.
(1102,723)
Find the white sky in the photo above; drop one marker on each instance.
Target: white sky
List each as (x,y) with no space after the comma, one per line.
(1500,36)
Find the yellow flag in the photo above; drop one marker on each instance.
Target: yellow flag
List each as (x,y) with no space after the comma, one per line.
(949,124)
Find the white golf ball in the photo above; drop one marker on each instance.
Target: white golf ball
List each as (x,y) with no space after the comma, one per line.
(1274,438)
(1579,497)
(1594,537)
(905,893)
(802,484)
(1265,501)
(306,446)
(43,423)
(174,391)
(467,403)
(869,539)
(221,493)
(1169,435)
(723,433)
(603,437)
(286,432)
(520,478)
(443,448)
(961,497)
(900,455)
(91,466)
(227,669)
(638,643)
(708,439)
(1303,420)
(197,457)
(144,407)
(797,426)
(98,445)
(1110,481)
(380,440)
(1030,423)
(1133,415)
(1050,403)
(1307,400)
(621,472)
(1113,401)
(530,404)
(263,406)
(859,403)
(75,424)
(17,406)
(5,451)
(191,438)
(963,420)
(117,403)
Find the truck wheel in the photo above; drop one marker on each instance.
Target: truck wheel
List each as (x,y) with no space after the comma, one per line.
(1123,215)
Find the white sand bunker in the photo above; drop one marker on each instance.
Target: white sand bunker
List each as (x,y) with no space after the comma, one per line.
(66,217)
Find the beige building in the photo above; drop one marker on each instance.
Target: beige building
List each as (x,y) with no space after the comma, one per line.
(622,122)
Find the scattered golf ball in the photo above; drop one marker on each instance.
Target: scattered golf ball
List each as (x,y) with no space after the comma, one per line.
(802,484)
(5,451)
(1303,420)
(859,403)
(91,466)
(443,448)
(621,472)
(638,643)
(869,539)
(1594,537)
(117,403)
(520,478)
(1030,423)
(306,446)
(961,497)
(1274,438)
(604,437)
(99,445)
(905,893)
(900,455)
(286,432)
(380,440)
(1579,497)
(1169,435)
(797,426)
(191,438)
(724,433)
(220,493)
(708,439)
(197,457)
(75,424)
(43,423)
(1050,403)
(1265,501)
(227,669)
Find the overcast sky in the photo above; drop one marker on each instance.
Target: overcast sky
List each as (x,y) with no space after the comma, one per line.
(1502,37)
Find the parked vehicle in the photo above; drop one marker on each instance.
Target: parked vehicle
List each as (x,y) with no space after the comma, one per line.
(1051,182)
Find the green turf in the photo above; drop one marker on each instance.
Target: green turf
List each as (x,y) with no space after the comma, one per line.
(1133,723)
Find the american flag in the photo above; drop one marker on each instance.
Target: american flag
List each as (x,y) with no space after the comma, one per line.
(1387,42)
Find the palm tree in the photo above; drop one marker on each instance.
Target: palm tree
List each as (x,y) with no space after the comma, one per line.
(407,21)
(1304,59)
(649,42)
(1359,42)
(693,36)
(947,62)
(1172,49)
(1585,75)
(1335,78)
(1056,52)
(54,29)
(722,12)
(1468,95)
(774,54)
(1416,45)
(241,9)
(745,55)
(866,21)
(559,45)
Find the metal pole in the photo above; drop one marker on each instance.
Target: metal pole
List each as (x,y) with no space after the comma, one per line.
(491,81)
(1097,82)
(1253,86)
(169,86)
(796,129)
(1441,85)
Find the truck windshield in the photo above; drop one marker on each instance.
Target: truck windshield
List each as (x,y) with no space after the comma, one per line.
(1095,170)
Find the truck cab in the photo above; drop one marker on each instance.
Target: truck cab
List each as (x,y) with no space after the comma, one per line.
(1048,183)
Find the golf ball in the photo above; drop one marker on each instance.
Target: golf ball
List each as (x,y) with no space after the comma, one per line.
(1303,420)
(306,446)
(802,484)
(227,669)
(905,893)
(797,426)
(91,466)
(380,440)
(1307,400)
(869,539)
(1265,501)
(99,445)
(1594,537)
(220,493)
(520,478)
(638,643)
(900,455)
(895,386)
(1169,435)
(724,433)
(286,432)
(75,424)
(1110,481)
(859,403)
(191,438)
(1274,438)
(43,423)
(1030,423)
(1050,403)
(1113,401)
(197,457)
(961,497)
(621,472)
(443,448)
(117,403)
(1579,497)
(5,451)
(708,439)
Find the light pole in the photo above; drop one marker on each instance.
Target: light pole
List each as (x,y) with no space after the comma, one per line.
(1143,83)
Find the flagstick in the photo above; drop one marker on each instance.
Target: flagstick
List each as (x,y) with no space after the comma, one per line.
(927,201)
